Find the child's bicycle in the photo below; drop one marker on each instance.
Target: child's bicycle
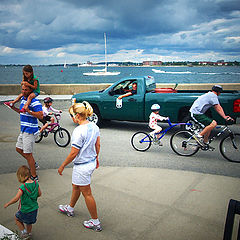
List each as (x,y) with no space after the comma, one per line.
(142,141)
(61,135)
(185,143)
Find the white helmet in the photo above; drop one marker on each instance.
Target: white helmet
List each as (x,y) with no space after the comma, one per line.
(155,107)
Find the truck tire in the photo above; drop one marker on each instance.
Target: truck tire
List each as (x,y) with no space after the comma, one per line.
(96,116)
(194,126)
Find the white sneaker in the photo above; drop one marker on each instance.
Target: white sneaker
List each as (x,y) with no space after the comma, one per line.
(90,225)
(64,209)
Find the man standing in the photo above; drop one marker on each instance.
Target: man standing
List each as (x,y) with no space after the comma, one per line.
(201,105)
(29,128)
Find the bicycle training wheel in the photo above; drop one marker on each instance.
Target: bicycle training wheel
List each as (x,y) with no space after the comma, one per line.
(39,136)
(183,143)
(230,147)
(62,137)
(141,141)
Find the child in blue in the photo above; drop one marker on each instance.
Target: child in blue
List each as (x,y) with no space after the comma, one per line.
(28,193)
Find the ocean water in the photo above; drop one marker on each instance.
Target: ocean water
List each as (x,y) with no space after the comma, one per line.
(72,74)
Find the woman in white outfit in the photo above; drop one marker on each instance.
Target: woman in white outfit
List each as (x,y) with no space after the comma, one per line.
(84,155)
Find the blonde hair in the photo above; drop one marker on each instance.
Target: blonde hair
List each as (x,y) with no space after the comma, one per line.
(23,174)
(84,109)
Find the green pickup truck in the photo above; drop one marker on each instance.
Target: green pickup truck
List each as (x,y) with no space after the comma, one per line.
(137,107)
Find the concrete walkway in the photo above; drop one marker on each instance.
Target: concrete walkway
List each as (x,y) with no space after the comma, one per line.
(133,203)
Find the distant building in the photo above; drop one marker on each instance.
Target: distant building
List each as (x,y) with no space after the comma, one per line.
(152,63)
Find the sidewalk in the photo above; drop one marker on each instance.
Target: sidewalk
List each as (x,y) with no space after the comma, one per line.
(133,203)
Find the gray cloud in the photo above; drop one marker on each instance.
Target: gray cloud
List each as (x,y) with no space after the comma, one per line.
(166,25)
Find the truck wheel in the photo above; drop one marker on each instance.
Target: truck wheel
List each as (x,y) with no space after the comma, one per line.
(193,128)
(96,117)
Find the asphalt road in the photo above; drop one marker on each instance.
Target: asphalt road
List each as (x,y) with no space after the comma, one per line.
(116,149)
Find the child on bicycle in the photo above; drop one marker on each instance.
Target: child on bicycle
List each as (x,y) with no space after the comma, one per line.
(153,118)
(28,194)
(47,111)
(30,80)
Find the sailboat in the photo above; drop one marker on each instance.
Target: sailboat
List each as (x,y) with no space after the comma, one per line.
(65,64)
(102,72)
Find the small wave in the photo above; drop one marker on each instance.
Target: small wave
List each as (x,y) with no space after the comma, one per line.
(160,71)
(202,73)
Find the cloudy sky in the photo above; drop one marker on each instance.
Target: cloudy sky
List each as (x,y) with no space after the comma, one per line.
(55,31)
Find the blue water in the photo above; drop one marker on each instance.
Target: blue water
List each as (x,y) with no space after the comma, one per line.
(59,75)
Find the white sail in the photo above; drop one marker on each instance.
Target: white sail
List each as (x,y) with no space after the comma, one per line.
(102,72)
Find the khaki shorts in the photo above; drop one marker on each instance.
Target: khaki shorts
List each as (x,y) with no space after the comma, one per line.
(25,142)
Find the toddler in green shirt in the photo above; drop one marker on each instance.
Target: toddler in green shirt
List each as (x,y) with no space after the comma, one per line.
(28,193)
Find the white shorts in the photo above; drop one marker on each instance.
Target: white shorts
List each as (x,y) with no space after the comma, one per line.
(156,128)
(82,173)
(25,142)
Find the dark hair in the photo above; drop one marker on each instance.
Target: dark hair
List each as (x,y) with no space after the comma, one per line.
(217,88)
(27,68)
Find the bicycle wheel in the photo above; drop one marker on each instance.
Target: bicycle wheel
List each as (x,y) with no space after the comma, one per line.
(39,136)
(141,141)
(62,137)
(183,143)
(230,147)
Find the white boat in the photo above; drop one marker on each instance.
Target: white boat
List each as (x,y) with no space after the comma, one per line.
(65,64)
(102,72)
(158,71)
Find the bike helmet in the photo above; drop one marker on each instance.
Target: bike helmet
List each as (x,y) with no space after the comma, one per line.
(47,100)
(217,88)
(155,107)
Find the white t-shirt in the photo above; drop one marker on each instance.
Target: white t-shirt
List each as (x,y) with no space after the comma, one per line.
(84,138)
(153,118)
(204,102)
(46,110)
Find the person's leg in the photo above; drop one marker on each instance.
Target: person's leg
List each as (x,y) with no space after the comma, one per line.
(29,228)
(43,127)
(19,224)
(75,195)
(17,99)
(89,200)
(30,160)
(29,99)
(52,120)
(207,130)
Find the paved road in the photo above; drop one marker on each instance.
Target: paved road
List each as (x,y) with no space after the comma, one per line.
(116,149)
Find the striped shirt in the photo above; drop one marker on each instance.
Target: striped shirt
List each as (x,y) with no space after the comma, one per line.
(29,123)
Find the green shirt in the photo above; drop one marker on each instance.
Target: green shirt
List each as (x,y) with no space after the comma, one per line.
(37,90)
(29,197)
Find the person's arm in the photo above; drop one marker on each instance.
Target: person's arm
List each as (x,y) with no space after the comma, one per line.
(125,95)
(74,152)
(39,192)
(97,146)
(220,111)
(15,199)
(16,109)
(55,110)
(38,115)
(34,86)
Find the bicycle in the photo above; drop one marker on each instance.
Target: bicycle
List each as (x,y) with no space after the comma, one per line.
(142,141)
(186,143)
(61,135)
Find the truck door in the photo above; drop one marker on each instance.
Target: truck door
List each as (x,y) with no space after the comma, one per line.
(132,106)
